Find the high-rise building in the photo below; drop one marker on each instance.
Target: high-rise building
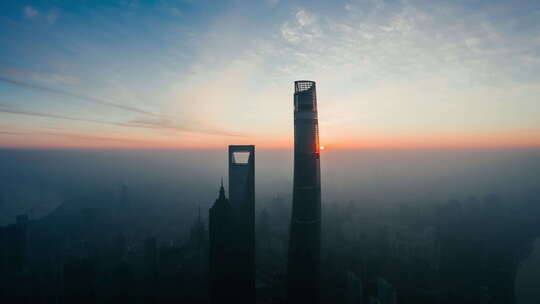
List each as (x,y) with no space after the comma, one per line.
(232,232)
(221,236)
(242,200)
(305,230)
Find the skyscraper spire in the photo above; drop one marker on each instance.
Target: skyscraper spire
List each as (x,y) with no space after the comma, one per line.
(221,191)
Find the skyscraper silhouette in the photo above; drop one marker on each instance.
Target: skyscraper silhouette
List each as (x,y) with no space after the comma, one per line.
(305,230)
(221,234)
(242,200)
(232,232)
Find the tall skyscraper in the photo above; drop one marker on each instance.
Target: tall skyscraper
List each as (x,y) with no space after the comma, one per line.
(242,200)
(232,232)
(221,235)
(305,230)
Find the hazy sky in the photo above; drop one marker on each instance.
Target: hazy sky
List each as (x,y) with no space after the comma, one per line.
(200,74)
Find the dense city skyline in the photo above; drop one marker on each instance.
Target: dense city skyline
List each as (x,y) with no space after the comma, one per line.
(203,74)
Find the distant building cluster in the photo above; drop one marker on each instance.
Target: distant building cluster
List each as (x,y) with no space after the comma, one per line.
(407,245)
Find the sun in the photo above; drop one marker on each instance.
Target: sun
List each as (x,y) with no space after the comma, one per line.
(321,148)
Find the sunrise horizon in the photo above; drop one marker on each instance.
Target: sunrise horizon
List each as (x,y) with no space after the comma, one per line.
(404,75)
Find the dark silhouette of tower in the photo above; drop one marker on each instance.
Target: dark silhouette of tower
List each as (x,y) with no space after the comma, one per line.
(242,201)
(305,230)
(232,232)
(221,235)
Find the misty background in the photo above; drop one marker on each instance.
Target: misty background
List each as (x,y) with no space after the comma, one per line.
(167,187)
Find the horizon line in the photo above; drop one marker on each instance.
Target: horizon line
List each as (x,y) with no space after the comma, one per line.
(327,150)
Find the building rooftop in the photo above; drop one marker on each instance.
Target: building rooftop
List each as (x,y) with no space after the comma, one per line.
(303,85)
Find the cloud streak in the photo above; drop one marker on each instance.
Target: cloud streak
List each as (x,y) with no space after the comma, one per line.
(11,133)
(163,123)
(87,99)
(143,124)
(50,78)
(55,116)
(155,121)
(77,136)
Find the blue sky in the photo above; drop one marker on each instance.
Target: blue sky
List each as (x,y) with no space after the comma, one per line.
(209,73)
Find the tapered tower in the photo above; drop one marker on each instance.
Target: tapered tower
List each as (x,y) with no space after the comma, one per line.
(305,229)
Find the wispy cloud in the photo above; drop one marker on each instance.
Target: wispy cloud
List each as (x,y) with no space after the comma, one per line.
(77,96)
(30,12)
(11,133)
(164,123)
(52,15)
(77,136)
(55,116)
(49,78)
(303,27)
(160,124)
(383,41)
(94,138)
(153,120)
